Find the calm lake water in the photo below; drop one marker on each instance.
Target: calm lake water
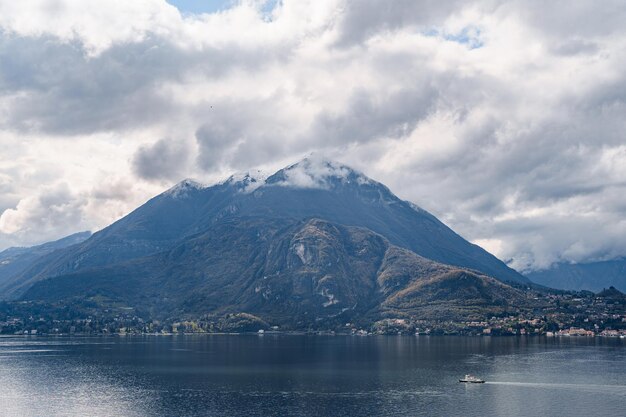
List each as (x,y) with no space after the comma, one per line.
(286,375)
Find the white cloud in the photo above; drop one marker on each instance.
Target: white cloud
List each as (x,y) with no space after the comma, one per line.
(315,171)
(53,209)
(505,119)
(96,25)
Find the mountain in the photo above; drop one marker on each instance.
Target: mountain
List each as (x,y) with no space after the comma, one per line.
(295,273)
(155,226)
(316,243)
(593,276)
(14,261)
(331,191)
(312,188)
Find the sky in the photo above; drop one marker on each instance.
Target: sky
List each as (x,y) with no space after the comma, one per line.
(504,119)
(201,6)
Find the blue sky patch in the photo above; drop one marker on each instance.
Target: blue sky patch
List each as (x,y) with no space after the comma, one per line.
(213,6)
(468,36)
(201,6)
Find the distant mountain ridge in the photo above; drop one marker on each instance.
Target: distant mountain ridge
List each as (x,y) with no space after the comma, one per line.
(592,276)
(13,261)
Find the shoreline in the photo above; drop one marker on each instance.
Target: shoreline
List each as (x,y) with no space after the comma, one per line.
(303,333)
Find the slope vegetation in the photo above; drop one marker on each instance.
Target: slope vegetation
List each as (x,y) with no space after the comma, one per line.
(290,273)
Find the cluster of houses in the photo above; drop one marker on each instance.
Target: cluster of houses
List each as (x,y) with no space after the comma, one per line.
(573,331)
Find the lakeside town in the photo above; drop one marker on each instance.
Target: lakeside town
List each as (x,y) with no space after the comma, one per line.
(560,314)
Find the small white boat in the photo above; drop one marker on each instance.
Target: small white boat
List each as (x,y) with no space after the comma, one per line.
(471,379)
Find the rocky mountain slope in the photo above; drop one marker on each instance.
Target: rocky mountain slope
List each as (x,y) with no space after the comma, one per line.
(309,189)
(292,273)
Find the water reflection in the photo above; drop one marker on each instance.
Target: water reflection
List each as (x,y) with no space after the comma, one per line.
(248,375)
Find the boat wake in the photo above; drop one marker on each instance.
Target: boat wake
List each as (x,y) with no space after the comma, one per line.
(617,389)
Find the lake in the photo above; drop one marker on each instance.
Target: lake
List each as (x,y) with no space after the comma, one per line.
(300,375)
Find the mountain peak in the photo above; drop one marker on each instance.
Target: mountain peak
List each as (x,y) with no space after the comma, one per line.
(312,188)
(183,188)
(318,172)
(247,181)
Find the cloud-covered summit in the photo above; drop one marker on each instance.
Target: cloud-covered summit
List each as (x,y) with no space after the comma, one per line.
(505,119)
(316,171)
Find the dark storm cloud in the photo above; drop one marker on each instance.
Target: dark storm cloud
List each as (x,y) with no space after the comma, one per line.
(62,91)
(575,47)
(59,89)
(362,19)
(562,19)
(372,115)
(245,133)
(213,141)
(549,194)
(165,159)
(505,119)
